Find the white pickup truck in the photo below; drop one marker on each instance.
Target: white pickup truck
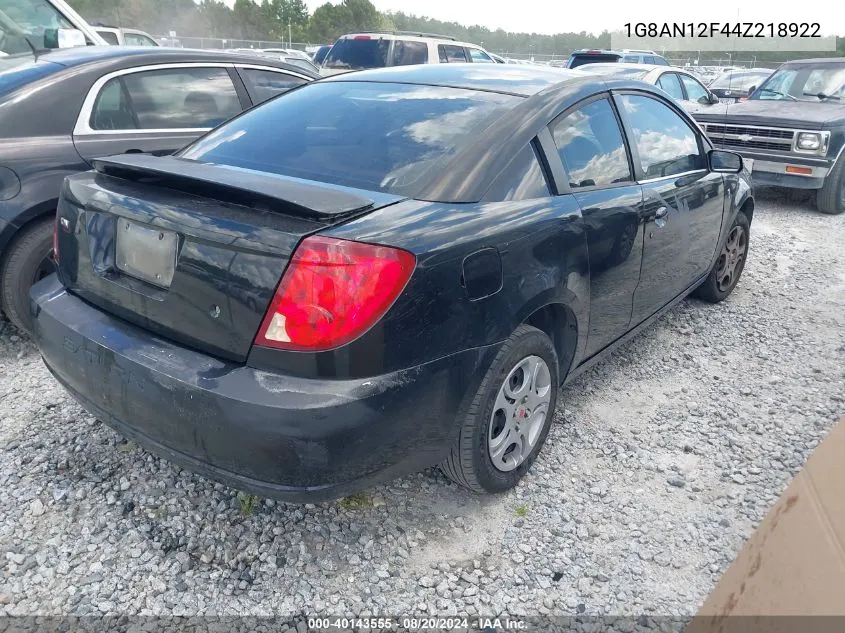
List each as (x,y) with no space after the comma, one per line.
(32,25)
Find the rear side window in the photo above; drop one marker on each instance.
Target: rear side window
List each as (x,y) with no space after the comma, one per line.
(648,59)
(522,180)
(451,54)
(376,136)
(665,142)
(631,59)
(591,147)
(174,98)
(661,61)
(264,84)
(670,84)
(358,54)
(408,52)
(480,57)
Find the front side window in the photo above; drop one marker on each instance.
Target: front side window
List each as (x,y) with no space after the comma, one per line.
(110,37)
(631,59)
(174,98)
(136,39)
(358,53)
(649,59)
(376,136)
(591,147)
(480,57)
(409,52)
(695,91)
(670,84)
(666,144)
(264,84)
(522,180)
(451,54)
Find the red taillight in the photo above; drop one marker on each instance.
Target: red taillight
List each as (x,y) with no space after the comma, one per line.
(56,239)
(332,292)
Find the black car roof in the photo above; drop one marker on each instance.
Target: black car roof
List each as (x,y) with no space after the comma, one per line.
(512,79)
(81,55)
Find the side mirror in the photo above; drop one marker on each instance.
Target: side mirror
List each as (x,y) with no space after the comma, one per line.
(63,38)
(751,89)
(712,99)
(724,162)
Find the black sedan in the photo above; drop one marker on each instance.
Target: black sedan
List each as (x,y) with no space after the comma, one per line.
(60,109)
(384,271)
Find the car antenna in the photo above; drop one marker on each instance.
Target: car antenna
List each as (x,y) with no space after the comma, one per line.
(32,48)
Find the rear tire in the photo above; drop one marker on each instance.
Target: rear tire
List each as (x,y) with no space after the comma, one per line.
(830,198)
(25,262)
(729,265)
(528,362)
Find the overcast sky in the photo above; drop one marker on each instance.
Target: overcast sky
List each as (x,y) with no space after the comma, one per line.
(556,16)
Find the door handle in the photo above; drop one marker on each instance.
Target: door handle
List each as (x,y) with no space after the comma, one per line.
(660,216)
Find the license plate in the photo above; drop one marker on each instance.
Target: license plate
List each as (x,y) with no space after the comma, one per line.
(146,253)
(727,100)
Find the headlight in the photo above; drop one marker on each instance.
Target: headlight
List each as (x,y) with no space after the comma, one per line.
(809,141)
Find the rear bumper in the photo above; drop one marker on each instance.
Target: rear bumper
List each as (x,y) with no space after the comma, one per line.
(290,438)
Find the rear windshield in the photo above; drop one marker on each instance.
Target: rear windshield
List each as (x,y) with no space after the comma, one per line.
(375,136)
(18,70)
(596,58)
(358,54)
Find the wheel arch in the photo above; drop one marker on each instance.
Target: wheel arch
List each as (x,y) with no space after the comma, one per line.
(559,322)
(24,220)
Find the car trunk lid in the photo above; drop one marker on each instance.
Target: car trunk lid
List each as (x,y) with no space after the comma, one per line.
(189,250)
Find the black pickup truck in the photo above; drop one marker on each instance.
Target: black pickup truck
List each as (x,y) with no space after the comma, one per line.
(791,130)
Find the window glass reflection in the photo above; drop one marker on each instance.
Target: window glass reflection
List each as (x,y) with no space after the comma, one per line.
(591,147)
(665,143)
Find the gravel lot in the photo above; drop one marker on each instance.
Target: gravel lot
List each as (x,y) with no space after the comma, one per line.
(662,461)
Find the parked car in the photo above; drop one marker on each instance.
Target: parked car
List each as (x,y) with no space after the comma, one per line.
(736,85)
(682,86)
(66,107)
(42,24)
(604,56)
(321,53)
(347,321)
(295,58)
(125,37)
(792,129)
(360,51)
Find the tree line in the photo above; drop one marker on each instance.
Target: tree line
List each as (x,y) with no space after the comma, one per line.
(277,20)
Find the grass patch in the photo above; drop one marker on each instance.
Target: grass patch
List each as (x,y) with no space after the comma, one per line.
(355,501)
(248,503)
(521,511)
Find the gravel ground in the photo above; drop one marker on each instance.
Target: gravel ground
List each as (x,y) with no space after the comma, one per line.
(662,461)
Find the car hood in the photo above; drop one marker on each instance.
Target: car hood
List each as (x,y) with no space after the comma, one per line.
(777,113)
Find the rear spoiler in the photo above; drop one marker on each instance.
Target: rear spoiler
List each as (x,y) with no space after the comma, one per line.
(319,201)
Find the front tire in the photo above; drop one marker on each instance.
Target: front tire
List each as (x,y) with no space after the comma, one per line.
(26,261)
(509,418)
(728,268)
(830,198)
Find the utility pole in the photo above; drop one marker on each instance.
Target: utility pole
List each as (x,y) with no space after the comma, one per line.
(290,39)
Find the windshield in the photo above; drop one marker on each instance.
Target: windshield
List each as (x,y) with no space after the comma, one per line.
(579,59)
(357,54)
(739,81)
(35,21)
(805,83)
(376,136)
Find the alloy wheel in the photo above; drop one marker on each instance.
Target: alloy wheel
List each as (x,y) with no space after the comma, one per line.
(731,259)
(519,413)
